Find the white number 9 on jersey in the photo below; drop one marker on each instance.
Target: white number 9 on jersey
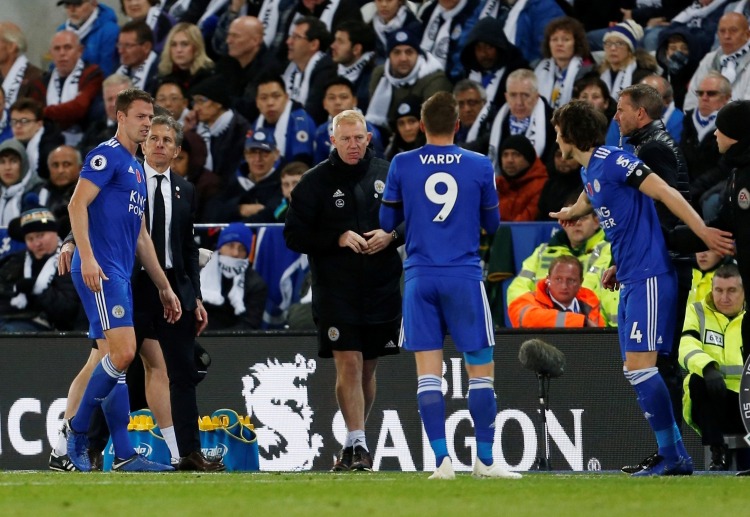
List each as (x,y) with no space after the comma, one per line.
(447,199)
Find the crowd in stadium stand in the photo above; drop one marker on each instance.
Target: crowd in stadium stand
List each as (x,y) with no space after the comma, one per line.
(256,84)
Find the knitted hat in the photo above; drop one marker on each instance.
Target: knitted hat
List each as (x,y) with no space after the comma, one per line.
(734,120)
(628,31)
(236,232)
(407,35)
(261,139)
(521,144)
(38,219)
(215,89)
(411,106)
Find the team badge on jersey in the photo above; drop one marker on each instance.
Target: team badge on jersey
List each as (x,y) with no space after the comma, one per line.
(597,186)
(743,199)
(379,186)
(98,162)
(118,311)
(333,334)
(302,136)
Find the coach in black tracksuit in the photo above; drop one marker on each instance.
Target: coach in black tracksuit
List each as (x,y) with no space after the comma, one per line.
(356,270)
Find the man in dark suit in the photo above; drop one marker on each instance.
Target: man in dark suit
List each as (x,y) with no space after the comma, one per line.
(169,217)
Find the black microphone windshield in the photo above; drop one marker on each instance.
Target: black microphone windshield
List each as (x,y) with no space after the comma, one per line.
(542,358)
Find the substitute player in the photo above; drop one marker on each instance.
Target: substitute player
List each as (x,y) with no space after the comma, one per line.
(106,214)
(620,189)
(445,194)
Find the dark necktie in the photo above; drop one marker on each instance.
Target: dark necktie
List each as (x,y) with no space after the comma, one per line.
(158,222)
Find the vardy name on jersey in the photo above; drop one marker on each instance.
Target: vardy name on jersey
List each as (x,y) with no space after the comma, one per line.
(440,159)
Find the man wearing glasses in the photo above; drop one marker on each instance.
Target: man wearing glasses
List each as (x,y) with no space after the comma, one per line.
(698,143)
(731,59)
(559,300)
(39,139)
(137,59)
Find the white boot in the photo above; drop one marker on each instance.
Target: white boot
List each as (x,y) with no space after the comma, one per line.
(493,471)
(444,471)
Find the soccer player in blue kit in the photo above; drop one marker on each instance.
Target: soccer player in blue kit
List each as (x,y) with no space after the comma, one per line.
(106,215)
(446,194)
(621,189)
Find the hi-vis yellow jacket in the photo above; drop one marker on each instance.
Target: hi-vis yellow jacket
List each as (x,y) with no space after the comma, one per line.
(710,336)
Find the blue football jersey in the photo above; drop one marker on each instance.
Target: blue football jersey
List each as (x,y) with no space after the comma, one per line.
(116,212)
(443,190)
(627,216)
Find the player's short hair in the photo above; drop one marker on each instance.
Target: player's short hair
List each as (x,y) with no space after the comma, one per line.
(728,271)
(295,168)
(126,97)
(646,97)
(349,117)
(167,120)
(566,259)
(440,113)
(581,124)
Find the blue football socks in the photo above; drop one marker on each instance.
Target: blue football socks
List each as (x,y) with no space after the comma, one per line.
(432,410)
(103,379)
(483,410)
(116,409)
(654,400)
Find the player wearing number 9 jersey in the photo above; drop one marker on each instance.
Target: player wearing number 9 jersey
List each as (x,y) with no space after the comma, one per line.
(446,195)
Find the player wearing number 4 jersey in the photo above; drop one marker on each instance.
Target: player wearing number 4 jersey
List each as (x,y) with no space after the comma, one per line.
(446,194)
(622,189)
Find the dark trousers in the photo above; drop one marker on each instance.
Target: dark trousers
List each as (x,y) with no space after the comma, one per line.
(715,418)
(178,346)
(669,365)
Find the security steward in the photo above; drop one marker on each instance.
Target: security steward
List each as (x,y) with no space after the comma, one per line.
(711,351)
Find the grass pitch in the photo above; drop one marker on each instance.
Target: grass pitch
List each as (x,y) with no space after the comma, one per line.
(383,493)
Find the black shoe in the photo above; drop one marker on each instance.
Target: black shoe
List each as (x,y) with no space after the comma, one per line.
(196,461)
(344,463)
(96,459)
(362,460)
(60,463)
(643,465)
(718,459)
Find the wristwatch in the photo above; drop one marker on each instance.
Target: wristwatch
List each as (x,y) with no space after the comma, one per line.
(394,235)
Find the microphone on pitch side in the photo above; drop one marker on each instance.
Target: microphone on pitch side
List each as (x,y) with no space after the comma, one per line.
(542,358)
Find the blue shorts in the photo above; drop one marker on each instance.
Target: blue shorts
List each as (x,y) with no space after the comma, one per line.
(436,305)
(112,307)
(647,313)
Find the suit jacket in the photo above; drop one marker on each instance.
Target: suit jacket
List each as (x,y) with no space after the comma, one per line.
(183,246)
